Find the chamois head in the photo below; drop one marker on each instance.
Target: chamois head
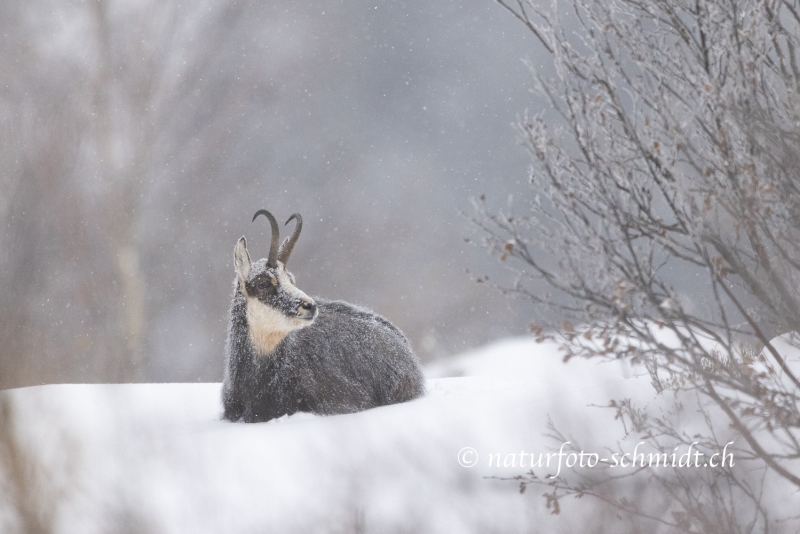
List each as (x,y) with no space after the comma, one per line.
(275,306)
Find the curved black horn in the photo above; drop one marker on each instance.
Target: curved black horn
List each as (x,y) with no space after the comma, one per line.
(287,246)
(272,260)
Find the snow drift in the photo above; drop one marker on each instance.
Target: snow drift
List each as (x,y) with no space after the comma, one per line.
(157,457)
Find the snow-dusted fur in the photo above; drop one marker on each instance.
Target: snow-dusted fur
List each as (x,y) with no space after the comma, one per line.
(347,360)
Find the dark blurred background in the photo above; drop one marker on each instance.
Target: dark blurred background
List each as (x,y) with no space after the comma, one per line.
(137,139)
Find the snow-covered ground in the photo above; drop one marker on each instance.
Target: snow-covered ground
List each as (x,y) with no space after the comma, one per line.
(157,457)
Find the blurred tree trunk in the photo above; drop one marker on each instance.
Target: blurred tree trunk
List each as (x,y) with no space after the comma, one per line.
(122,210)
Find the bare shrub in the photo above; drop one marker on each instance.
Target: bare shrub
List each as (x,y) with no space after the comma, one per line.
(664,217)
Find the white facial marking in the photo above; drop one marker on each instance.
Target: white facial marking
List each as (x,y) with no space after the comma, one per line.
(268,326)
(287,286)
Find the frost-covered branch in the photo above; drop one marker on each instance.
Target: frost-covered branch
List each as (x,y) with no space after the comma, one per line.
(665,199)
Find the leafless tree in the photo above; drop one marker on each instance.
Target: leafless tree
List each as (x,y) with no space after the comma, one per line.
(93,119)
(134,135)
(663,220)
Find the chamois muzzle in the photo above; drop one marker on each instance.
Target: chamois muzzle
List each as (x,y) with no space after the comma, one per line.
(307,310)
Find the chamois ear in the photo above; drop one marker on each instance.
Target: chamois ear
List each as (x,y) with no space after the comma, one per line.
(241,260)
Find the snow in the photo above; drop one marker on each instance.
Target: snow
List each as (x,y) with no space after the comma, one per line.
(157,457)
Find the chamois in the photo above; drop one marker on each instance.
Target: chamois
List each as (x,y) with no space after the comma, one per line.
(288,352)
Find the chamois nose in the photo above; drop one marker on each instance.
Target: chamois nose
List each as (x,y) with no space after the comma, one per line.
(309,307)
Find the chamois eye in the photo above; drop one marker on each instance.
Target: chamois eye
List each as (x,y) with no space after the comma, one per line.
(264,285)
